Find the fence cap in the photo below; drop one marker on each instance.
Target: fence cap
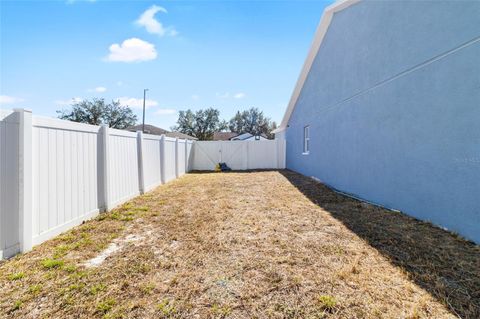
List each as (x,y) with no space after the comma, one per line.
(22,110)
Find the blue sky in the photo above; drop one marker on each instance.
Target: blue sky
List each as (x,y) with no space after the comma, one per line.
(231,55)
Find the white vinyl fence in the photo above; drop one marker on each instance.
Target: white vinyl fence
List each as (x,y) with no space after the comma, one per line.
(239,155)
(55,174)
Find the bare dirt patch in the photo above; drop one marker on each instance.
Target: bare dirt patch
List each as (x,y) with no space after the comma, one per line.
(246,245)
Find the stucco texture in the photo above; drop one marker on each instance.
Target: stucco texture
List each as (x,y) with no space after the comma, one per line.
(393,104)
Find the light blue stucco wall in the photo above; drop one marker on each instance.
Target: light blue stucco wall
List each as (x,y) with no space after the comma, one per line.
(393,104)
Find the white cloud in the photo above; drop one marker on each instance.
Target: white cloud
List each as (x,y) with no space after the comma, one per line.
(136,103)
(132,50)
(119,83)
(5,99)
(148,21)
(69,102)
(98,89)
(166,112)
(240,95)
(195,97)
(225,95)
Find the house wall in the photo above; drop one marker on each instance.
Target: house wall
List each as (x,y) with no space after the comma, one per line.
(393,104)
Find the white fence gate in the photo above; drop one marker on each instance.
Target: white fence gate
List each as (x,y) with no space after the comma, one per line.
(239,155)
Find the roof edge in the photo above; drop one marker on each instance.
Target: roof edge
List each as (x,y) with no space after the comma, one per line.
(278,130)
(322,28)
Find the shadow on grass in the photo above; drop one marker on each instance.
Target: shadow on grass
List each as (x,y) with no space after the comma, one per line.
(248,171)
(445,265)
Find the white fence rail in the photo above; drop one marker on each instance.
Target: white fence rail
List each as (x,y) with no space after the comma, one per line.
(239,155)
(55,174)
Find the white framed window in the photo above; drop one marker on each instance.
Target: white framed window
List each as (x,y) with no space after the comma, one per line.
(306,140)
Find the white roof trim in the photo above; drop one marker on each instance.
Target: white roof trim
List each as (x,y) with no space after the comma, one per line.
(278,130)
(317,41)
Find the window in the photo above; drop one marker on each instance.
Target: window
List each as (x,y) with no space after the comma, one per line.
(306,140)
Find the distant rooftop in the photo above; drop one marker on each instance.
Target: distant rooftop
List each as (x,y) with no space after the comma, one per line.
(151,129)
(223,136)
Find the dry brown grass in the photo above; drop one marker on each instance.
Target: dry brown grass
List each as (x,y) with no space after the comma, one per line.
(247,245)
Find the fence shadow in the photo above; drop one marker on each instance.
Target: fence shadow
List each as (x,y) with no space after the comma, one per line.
(442,263)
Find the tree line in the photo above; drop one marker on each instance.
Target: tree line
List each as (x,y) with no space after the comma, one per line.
(201,124)
(98,112)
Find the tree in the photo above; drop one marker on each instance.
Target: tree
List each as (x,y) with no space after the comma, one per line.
(200,124)
(252,121)
(97,112)
(120,117)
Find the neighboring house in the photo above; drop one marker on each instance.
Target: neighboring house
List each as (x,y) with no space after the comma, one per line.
(151,129)
(223,136)
(387,108)
(231,136)
(249,137)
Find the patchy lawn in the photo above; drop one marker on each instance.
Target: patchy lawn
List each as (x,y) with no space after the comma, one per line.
(246,245)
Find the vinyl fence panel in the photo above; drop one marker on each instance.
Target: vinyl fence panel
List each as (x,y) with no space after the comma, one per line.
(170,159)
(206,155)
(9,183)
(281,152)
(181,154)
(123,183)
(152,161)
(262,154)
(189,155)
(64,160)
(235,153)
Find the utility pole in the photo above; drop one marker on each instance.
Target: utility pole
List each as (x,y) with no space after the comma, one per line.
(143,123)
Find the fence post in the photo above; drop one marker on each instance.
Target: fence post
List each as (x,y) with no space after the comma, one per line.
(141,176)
(105,166)
(246,154)
(276,154)
(177,171)
(162,158)
(25,185)
(186,155)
